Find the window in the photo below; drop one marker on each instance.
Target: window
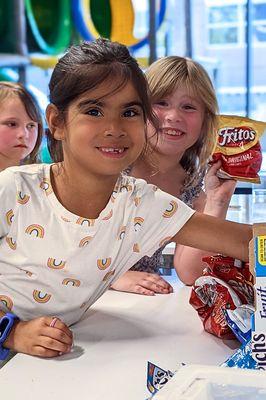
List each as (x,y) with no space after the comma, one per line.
(223,35)
(226,22)
(259,17)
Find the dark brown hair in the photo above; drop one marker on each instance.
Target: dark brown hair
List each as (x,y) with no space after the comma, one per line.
(11,89)
(85,67)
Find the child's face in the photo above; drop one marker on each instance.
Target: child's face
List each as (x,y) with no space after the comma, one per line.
(18,133)
(180,119)
(103,133)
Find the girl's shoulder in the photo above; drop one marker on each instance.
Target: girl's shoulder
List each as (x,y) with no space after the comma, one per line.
(17,184)
(135,185)
(19,175)
(146,198)
(29,169)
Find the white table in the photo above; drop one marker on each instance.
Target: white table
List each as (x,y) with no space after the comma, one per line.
(122,332)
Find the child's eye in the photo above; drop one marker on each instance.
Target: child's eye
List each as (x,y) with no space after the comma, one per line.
(189,107)
(11,124)
(32,125)
(131,113)
(162,103)
(94,112)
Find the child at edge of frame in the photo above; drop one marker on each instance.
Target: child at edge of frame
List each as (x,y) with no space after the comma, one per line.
(21,127)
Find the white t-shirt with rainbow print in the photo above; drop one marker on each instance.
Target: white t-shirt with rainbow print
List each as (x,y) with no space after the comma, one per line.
(53,262)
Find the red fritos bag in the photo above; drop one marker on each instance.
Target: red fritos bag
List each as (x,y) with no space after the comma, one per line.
(226,284)
(238,148)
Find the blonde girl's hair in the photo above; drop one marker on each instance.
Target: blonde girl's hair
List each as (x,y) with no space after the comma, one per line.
(12,89)
(164,77)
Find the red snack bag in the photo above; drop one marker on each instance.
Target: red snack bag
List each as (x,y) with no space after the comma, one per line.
(238,147)
(226,284)
(235,273)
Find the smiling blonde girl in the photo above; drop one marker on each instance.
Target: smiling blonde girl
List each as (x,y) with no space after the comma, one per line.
(184,101)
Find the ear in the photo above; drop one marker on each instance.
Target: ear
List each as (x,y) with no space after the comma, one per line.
(55,122)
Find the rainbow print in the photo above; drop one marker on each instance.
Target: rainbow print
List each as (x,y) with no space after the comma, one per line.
(85,241)
(73,282)
(108,275)
(41,298)
(9,217)
(83,221)
(136,248)
(104,263)
(126,188)
(46,186)
(169,212)
(137,201)
(22,198)
(26,272)
(164,241)
(12,244)
(65,219)
(36,230)
(122,232)
(51,263)
(108,216)
(113,196)
(138,221)
(6,301)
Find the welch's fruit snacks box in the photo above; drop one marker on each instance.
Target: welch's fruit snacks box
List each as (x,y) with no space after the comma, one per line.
(257,256)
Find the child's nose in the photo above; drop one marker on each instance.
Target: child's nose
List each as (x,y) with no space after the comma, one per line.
(173,115)
(114,129)
(115,134)
(23,132)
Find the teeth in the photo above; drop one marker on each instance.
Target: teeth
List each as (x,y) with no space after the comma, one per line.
(173,132)
(112,150)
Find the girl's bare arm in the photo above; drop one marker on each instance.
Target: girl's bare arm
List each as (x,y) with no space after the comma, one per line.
(215,235)
(214,201)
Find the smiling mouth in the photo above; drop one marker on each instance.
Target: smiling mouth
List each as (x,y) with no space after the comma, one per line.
(172,132)
(113,151)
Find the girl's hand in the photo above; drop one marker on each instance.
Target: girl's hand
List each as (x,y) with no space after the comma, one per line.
(38,338)
(142,283)
(218,191)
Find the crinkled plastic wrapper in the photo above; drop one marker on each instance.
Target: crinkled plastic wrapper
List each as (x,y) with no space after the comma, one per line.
(242,358)
(239,320)
(157,377)
(238,148)
(226,284)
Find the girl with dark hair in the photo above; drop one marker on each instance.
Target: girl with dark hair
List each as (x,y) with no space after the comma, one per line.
(21,128)
(69,229)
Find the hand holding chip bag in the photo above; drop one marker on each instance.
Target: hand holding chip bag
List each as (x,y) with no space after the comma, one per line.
(238,148)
